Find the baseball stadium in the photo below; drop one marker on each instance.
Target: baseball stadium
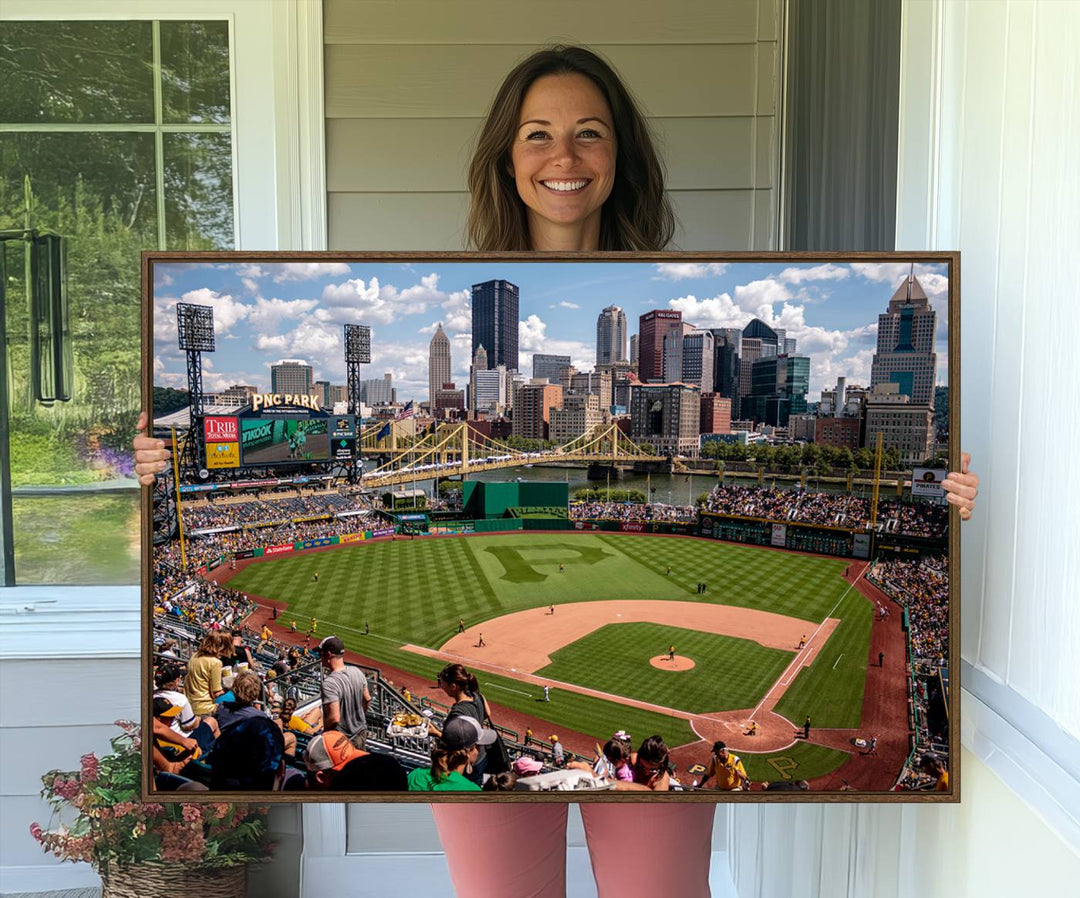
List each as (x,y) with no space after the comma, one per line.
(805,628)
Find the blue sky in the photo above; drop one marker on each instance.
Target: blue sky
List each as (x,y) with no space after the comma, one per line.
(272,310)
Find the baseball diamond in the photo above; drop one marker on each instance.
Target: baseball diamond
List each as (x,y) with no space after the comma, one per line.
(592,616)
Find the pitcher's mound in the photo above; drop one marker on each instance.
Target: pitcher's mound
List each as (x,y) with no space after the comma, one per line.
(663,662)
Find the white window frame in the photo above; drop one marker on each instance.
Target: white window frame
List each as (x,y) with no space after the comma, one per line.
(1004,729)
(276,53)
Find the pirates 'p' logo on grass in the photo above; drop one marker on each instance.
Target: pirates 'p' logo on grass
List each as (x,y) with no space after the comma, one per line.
(534,564)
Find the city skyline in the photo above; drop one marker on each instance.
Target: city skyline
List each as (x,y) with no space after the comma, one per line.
(269,311)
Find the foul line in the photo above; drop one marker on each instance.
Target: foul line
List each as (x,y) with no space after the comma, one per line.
(837,661)
(508,689)
(796,662)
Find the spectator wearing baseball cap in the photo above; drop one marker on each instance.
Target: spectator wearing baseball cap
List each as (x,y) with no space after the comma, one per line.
(186,723)
(333,762)
(345,695)
(454,753)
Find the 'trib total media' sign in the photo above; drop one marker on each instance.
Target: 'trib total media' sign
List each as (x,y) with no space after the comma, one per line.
(221,430)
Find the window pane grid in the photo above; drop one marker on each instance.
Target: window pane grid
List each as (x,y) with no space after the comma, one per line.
(76,516)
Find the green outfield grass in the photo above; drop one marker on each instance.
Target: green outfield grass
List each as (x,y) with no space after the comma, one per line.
(825,690)
(728,673)
(595,716)
(802,761)
(414,591)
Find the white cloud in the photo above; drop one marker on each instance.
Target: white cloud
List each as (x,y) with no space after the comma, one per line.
(564,305)
(267,314)
(307,271)
(825,272)
(308,340)
(680,271)
(371,302)
(717,311)
(227,311)
(759,297)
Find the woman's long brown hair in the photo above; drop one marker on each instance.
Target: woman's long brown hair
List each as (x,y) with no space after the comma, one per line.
(637,214)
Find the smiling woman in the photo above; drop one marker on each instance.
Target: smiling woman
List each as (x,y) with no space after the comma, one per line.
(560,118)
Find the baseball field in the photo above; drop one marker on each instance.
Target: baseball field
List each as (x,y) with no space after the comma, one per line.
(689,638)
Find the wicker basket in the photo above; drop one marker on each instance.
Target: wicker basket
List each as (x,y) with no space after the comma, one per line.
(149,880)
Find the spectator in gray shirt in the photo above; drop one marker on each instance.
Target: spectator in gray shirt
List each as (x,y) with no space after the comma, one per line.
(345,695)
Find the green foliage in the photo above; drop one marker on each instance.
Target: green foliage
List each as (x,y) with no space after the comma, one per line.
(99,191)
(168,400)
(448,487)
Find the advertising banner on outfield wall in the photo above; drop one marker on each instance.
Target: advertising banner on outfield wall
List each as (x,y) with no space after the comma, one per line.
(926,483)
(779,535)
(245,553)
(278,550)
(585,525)
(375,534)
(632,526)
(315,543)
(350,537)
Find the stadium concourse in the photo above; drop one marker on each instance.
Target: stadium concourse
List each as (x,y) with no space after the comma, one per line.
(285,664)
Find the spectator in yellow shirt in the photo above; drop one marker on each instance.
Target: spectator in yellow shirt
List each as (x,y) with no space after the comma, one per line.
(728,770)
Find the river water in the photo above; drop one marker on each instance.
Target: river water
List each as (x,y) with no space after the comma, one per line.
(668,489)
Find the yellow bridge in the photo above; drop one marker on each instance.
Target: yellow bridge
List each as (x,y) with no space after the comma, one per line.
(453,450)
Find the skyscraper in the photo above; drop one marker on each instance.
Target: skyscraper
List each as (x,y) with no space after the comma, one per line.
(697,359)
(495,322)
(905,344)
(652,328)
(726,365)
(778,389)
(438,363)
(547,366)
(611,336)
(292,376)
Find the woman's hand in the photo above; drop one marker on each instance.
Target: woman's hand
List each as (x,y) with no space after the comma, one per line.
(151,455)
(962,488)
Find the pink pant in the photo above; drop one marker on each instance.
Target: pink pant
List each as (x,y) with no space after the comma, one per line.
(519,850)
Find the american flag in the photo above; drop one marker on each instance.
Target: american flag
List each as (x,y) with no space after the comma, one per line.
(406,412)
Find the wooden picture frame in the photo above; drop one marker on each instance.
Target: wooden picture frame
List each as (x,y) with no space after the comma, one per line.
(606,586)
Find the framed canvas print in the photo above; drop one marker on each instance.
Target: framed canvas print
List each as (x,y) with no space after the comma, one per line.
(615,527)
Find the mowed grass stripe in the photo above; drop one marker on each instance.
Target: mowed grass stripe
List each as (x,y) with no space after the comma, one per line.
(729,673)
(831,689)
(415,591)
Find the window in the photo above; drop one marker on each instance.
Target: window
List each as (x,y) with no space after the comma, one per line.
(118,136)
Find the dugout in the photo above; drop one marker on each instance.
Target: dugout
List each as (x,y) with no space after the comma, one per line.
(482,500)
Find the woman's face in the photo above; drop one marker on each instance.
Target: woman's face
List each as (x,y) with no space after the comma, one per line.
(563,160)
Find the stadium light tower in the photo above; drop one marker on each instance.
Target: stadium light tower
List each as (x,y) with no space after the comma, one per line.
(195,335)
(357,353)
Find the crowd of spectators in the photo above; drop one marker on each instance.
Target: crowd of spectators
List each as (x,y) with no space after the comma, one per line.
(269,508)
(922,586)
(830,509)
(203,603)
(631,511)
